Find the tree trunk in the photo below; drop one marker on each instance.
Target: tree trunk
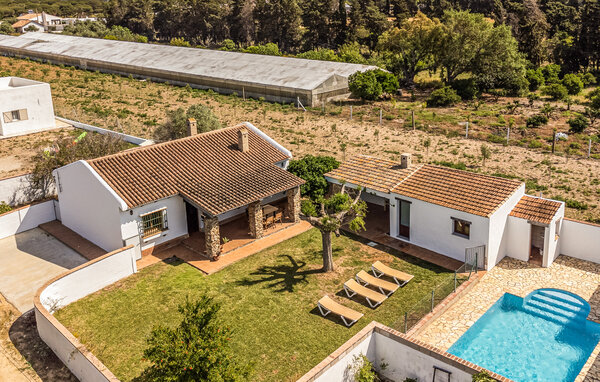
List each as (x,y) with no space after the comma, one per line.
(327,251)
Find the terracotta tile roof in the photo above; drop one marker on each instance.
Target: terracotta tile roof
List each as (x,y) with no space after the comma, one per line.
(376,174)
(460,190)
(29,16)
(536,209)
(20,23)
(207,169)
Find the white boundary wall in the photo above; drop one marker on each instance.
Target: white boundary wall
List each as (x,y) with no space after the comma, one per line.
(13,190)
(580,240)
(69,287)
(28,217)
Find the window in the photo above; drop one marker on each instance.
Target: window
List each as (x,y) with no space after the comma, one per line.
(557,229)
(153,223)
(15,116)
(461,227)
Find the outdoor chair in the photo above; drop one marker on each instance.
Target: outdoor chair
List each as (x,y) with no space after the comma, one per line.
(349,316)
(353,288)
(279,216)
(269,221)
(380,269)
(385,287)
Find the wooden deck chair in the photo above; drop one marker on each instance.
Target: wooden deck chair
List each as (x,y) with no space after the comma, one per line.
(353,288)
(380,269)
(279,216)
(349,316)
(385,287)
(269,221)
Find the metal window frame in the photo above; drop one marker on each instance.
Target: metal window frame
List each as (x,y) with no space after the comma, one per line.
(164,226)
(463,221)
(439,370)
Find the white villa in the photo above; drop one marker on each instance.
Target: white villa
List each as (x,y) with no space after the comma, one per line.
(26,106)
(455,213)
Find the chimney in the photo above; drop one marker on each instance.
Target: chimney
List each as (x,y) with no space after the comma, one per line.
(243,144)
(192,127)
(405,160)
(44,21)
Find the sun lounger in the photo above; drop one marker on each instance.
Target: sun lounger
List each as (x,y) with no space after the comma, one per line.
(385,287)
(373,298)
(349,316)
(380,269)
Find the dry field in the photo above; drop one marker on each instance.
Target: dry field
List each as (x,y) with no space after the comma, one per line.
(137,107)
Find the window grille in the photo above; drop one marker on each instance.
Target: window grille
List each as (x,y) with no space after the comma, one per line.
(154,223)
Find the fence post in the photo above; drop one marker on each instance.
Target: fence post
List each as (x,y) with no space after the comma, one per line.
(590,147)
(351,112)
(405,322)
(454,281)
(432,299)
(380,116)
(244,93)
(413,119)
(507,135)
(553,141)
(323,107)
(467,129)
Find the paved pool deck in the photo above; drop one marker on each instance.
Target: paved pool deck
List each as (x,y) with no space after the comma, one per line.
(519,278)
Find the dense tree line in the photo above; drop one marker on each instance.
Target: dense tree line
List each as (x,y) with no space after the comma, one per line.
(63,8)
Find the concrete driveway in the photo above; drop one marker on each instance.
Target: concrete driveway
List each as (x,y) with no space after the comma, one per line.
(27,261)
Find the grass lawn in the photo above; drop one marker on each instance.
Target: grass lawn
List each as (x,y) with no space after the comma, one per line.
(269,300)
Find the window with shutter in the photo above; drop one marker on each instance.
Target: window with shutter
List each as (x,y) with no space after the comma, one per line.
(7,117)
(23,115)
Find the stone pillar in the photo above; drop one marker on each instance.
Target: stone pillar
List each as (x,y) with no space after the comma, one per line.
(293,204)
(255,220)
(213,237)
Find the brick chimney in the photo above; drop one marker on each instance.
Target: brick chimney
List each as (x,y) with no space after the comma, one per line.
(243,144)
(405,160)
(192,127)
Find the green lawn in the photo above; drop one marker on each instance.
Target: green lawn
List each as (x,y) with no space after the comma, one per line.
(269,299)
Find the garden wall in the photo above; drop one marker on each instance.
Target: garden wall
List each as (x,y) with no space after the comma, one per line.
(404,357)
(580,240)
(13,190)
(69,287)
(126,137)
(27,217)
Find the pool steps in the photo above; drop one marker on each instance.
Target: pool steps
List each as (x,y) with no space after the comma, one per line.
(557,306)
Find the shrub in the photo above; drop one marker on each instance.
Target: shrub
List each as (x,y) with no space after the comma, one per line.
(458,165)
(270,49)
(176,124)
(536,121)
(551,73)
(4,208)
(362,369)
(179,41)
(588,79)
(573,83)
(311,169)
(365,85)
(445,96)
(482,376)
(536,79)
(6,28)
(571,203)
(556,91)
(389,82)
(228,45)
(578,124)
(466,88)
(320,54)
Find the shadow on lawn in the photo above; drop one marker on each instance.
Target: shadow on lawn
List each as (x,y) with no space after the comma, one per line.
(281,277)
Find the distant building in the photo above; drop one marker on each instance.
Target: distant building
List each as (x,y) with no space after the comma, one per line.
(25,106)
(44,22)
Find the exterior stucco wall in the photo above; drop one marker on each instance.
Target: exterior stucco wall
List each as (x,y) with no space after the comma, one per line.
(552,238)
(88,206)
(13,190)
(26,218)
(499,236)
(580,240)
(33,96)
(518,245)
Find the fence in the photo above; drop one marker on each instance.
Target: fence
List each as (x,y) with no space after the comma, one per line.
(27,217)
(126,137)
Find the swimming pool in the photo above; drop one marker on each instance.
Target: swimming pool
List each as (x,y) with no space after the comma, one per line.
(543,337)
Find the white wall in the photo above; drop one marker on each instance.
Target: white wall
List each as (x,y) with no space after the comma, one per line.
(519,231)
(551,244)
(88,206)
(26,218)
(76,284)
(580,240)
(18,93)
(340,370)
(13,190)
(130,223)
(499,236)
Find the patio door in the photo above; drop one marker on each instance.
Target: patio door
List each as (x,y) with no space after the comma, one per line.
(191,213)
(404,219)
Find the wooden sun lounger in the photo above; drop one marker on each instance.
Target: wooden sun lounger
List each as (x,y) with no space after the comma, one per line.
(373,298)
(349,316)
(380,269)
(385,287)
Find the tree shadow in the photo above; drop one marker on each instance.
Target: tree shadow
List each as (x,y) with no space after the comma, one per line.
(281,277)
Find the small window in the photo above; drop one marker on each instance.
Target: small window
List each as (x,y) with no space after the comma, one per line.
(557,229)
(461,227)
(153,223)
(16,116)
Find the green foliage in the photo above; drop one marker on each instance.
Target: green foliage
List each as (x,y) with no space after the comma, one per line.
(362,369)
(270,49)
(320,54)
(228,44)
(536,121)
(198,349)
(482,376)
(179,41)
(573,83)
(536,79)
(4,208)
(364,85)
(578,124)
(588,79)
(311,169)
(98,29)
(551,73)
(457,165)
(6,28)
(175,126)
(571,203)
(555,91)
(388,81)
(445,96)
(466,88)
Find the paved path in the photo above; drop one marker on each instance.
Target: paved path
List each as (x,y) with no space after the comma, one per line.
(73,240)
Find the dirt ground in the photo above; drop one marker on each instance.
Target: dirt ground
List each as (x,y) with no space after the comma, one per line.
(137,107)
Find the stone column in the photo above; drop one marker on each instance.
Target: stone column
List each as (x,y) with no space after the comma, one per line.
(293,204)
(255,220)
(213,237)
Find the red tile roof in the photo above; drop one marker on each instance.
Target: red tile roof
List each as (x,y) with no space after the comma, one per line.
(536,209)
(206,169)
(466,191)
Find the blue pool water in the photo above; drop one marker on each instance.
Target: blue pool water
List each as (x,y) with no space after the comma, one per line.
(544,337)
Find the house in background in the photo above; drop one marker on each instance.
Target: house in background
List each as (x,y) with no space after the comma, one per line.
(41,22)
(460,214)
(25,106)
(208,189)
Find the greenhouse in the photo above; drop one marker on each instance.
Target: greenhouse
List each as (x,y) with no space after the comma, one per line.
(277,79)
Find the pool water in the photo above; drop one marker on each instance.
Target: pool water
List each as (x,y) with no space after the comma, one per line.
(544,337)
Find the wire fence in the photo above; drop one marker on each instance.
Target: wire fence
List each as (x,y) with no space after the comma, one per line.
(427,304)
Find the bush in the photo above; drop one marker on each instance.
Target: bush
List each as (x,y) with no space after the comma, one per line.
(389,82)
(311,169)
(6,28)
(588,79)
(320,54)
(270,49)
(556,91)
(445,96)
(482,376)
(362,369)
(573,83)
(537,120)
(179,41)
(364,85)
(536,79)
(551,73)
(176,125)
(228,45)
(4,208)
(466,88)
(578,124)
